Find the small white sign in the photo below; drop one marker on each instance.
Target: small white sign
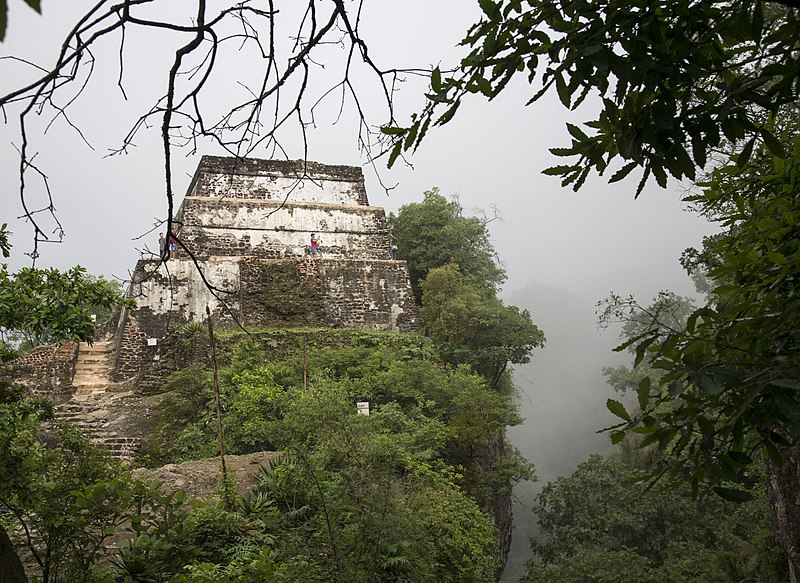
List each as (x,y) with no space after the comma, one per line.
(363,407)
(94,317)
(152,341)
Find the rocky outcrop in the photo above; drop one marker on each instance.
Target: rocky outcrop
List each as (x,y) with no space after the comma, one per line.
(201,479)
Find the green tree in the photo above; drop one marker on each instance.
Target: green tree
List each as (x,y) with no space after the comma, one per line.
(471,328)
(434,232)
(372,494)
(682,86)
(603,525)
(39,306)
(732,376)
(68,498)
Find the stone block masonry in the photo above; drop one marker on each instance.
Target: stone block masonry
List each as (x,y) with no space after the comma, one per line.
(46,370)
(257,292)
(280,180)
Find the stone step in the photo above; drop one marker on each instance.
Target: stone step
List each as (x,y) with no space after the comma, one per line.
(97,351)
(86,391)
(92,376)
(90,358)
(71,407)
(86,379)
(86,394)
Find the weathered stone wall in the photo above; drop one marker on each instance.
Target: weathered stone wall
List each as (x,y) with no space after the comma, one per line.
(274,230)
(269,292)
(368,294)
(46,370)
(174,292)
(293,180)
(132,352)
(281,293)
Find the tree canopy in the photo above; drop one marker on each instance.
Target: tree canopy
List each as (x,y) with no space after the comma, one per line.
(675,79)
(435,232)
(601,525)
(40,306)
(469,328)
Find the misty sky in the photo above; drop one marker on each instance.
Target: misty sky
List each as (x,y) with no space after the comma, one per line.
(491,155)
(553,242)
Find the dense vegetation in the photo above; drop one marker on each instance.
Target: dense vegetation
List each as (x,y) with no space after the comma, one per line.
(612,521)
(406,493)
(686,88)
(605,523)
(354,498)
(704,91)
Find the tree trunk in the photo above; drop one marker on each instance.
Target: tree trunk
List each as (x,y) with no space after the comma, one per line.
(783,491)
(11,569)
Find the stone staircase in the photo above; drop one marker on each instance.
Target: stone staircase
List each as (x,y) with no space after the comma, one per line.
(92,369)
(88,409)
(90,415)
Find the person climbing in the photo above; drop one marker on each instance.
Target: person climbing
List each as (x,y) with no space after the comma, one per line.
(314,244)
(162,245)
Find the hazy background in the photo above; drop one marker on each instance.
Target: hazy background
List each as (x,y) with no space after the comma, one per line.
(563,251)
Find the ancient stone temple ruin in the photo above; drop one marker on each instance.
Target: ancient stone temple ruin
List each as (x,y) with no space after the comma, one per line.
(244,229)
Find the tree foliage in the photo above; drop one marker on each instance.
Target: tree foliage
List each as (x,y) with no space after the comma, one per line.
(68,498)
(675,79)
(40,306)
(435,232)
(470,328)
(732,375)
(602,524)
(390,496)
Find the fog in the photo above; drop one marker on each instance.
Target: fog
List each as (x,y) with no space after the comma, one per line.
(562,250)
(563,393)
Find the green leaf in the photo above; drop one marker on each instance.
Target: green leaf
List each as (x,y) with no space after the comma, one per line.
(448,115)
(563,91)
(773,144)
(675,388)
(744,155)
(618,409)
(35,4)
(740,457)
(617,436)
(436,80)
(732,494)
(623,172)
(758,20)
(777,258)
(643,392)
(412,135)
(490,8)
(577,133)
(707,384)
(398,147)
(393,131)
(557,170)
